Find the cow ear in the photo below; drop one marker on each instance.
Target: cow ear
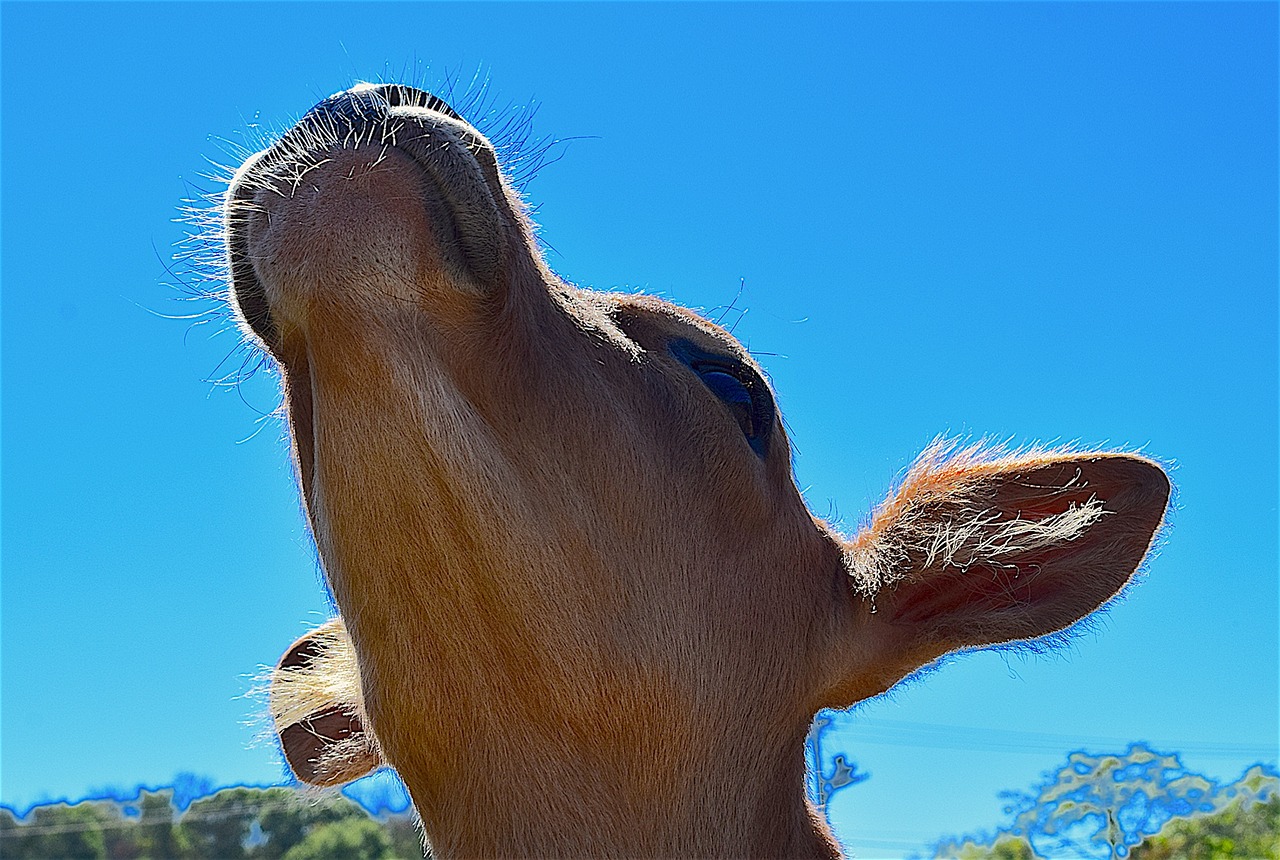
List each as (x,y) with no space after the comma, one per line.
(317,709)
(979,548)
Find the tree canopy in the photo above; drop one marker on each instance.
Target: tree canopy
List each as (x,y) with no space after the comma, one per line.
(234,824)
(1139,804)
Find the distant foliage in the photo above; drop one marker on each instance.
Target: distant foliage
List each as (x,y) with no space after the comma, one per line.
(1247,827)
(1099,806)
(821,784)
(356,839)
(72,832)
(1140,804)
(1004,847)
(233,824)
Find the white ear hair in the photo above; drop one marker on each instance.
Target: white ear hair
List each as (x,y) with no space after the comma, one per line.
(981,545)
(944,515)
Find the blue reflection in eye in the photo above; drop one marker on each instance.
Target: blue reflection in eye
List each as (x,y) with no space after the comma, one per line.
(726,386)
(738,387)
(733,394)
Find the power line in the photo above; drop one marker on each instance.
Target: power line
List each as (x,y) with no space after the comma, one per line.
(890,732)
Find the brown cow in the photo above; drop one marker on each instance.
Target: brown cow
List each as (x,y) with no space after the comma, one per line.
(584,609)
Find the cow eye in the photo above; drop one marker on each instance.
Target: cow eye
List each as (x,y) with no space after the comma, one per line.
(738,387)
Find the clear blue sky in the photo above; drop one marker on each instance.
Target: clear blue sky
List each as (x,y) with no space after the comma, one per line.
(1031,222)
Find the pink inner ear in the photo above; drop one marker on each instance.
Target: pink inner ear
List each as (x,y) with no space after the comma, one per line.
(980,590)
(1045,588)
(1051,489)
(1044,592)
(952,593)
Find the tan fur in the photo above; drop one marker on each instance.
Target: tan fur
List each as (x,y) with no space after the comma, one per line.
(584,610)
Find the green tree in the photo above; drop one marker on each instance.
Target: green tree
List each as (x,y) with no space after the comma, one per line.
(1100,805)
(1005,847)
(67,832)
(234,824)
(820,785)
(156,836)
(1247,825)
(219,825)
(122,841)
(292,816)
(406,837)
(351,839)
